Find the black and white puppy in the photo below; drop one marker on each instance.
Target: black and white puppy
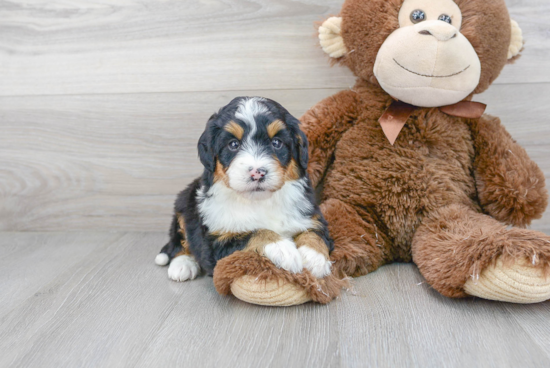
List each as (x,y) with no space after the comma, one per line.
(253,195)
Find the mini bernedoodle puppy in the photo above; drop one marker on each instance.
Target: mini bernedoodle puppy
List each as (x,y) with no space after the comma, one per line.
(254,195)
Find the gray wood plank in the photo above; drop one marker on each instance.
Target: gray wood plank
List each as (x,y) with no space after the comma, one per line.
(116,308)
(533,321)
(124,46)
(117,161)
(236,334)
(106,161)
(29,261)
(100,313)
(410,324)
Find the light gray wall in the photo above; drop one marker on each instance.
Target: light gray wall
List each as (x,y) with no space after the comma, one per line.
(101,103)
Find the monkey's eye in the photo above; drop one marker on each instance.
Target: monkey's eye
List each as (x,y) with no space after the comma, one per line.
(418,16)
(277,143)
(445,18)
(234,145)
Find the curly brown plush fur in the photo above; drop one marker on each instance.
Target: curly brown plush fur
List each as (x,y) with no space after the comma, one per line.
(422,199)
(243,263)
(442,195)
(455,243)
(367,24)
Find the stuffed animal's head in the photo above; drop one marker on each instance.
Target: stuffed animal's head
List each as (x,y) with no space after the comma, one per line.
(427,53)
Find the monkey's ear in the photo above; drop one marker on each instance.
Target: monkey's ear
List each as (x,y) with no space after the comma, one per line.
(516,42)
(330,37)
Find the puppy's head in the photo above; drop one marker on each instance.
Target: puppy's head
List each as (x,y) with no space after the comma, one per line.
(253,146)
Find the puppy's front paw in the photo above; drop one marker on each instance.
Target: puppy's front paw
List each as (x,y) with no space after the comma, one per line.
(315,262)
(284,255)
(183,268)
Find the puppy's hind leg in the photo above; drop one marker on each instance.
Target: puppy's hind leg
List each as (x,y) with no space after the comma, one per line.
(183,265)
(174,245)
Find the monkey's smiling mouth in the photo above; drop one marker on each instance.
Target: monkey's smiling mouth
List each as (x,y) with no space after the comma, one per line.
(432,76)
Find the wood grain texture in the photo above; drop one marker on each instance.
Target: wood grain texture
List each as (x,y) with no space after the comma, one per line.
(106,161)
(103,103)
(128,46)
(101,106)
(27,263)
(115,308)
(117,161)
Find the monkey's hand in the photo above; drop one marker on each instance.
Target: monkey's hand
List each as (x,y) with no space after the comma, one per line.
(510,185)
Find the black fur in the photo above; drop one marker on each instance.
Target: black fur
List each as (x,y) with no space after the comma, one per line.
(207,248)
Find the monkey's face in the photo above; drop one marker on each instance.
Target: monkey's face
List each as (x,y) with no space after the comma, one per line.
(428,53)
(427,61)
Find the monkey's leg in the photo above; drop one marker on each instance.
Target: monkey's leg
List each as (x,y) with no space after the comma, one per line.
(359,247)
(252,276)
(461,252)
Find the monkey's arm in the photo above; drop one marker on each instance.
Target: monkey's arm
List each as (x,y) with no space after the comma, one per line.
(510,185)
(324,124)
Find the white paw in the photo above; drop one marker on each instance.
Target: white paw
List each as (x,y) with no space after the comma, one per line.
(284,255)
(315,262)
(183,268)
(162,259)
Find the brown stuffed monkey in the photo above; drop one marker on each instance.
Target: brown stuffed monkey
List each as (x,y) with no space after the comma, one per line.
(412,169)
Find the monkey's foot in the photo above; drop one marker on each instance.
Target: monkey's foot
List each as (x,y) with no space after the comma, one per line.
(275,293)
(255,279)
(519,282)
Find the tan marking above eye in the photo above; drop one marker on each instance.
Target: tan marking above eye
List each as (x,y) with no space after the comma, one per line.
(275,127)
(234,129)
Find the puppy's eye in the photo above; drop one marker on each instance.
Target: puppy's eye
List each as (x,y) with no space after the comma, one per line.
(234,145)
(445,18)
(418,16)
(277,143)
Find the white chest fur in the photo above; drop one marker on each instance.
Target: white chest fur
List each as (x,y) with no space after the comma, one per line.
(224,210)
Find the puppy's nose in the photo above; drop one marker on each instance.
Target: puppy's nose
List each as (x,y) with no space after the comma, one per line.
(257,174)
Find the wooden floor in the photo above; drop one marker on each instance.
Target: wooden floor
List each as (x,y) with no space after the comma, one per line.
(97,300)
(101,106)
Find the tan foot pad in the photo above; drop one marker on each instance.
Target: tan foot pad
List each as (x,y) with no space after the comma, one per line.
(516,283)
(268,292)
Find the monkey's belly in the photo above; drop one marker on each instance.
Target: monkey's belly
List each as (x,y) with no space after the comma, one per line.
(399,185)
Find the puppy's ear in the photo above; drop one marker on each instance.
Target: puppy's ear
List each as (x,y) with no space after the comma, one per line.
(302,146)
(303,152)
(205,151)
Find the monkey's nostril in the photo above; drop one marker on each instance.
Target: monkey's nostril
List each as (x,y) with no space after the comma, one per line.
(425,32)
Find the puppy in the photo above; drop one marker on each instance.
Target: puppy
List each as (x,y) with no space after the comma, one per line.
(254,195)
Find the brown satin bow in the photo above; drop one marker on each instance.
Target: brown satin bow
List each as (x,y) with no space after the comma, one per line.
(397,114)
